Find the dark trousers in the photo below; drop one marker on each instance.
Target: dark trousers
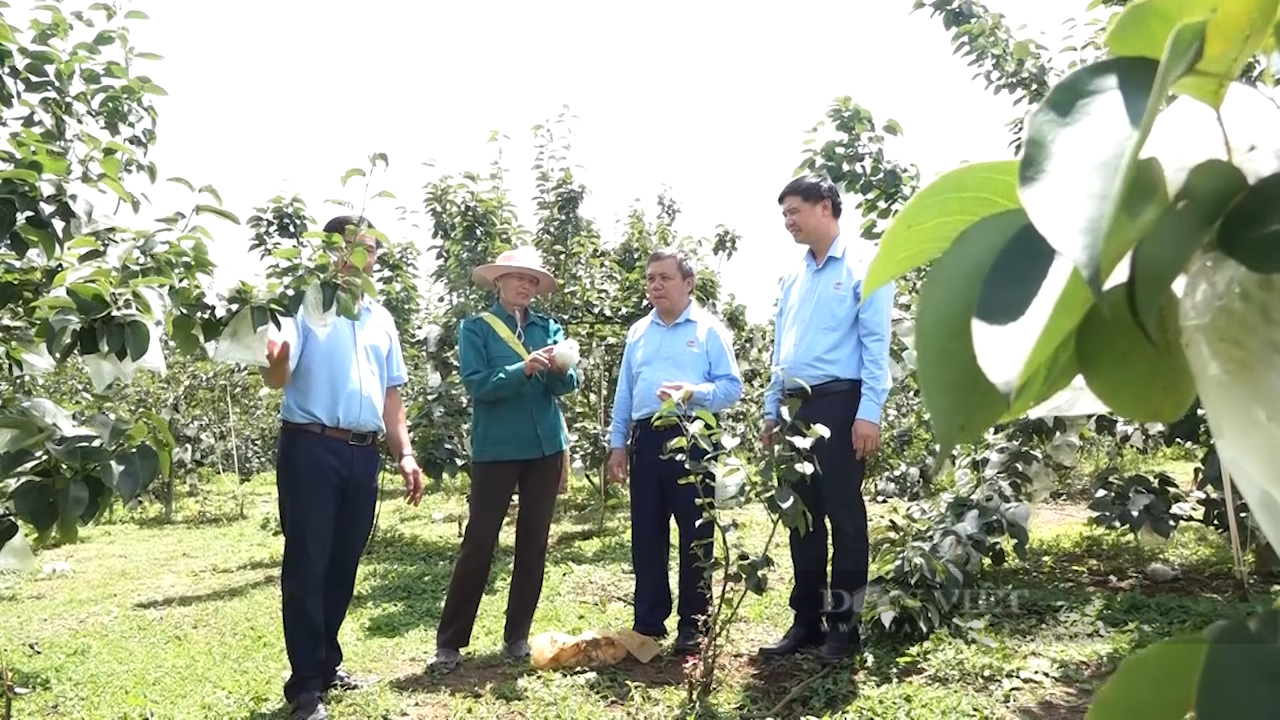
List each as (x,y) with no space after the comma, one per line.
(492,484)
(656,495)
(833,492)
(328,490)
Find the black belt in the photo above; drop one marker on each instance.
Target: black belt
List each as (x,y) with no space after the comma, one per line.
(832,387)
(352,437)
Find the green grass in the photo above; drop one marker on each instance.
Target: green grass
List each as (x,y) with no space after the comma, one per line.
(183,621)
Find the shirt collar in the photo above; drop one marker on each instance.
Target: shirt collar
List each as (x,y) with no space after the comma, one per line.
(835,251)
(690,313)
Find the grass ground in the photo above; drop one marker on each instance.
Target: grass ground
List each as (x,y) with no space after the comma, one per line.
(144,620)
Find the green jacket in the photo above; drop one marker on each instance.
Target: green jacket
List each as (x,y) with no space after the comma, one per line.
(513,417)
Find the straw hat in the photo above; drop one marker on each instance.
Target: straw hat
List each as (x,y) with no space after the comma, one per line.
(522,259)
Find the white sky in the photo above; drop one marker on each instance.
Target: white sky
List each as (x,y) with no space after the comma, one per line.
(711,99)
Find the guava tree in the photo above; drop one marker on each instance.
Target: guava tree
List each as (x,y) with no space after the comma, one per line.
(1132,244)
(473,219)
(81,287)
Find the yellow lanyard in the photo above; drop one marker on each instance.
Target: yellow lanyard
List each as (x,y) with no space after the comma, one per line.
(505,333)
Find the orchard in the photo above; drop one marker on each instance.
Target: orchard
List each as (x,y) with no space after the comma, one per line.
(1072,512)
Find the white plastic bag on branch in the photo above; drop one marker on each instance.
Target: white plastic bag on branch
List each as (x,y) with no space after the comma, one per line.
(1230,320)
(105,368)
(313,312)
(240,344)
(730,478)
(35,360)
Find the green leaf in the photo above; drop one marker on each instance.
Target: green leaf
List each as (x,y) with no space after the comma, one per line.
(90,300)
(1241,662)
(6,36)
(30,176)
(1234,31)
(183,182)
(1045,380)
(1250,231)
(139,339)
(932,219)
(1172,666)
(132,471)
(73,498)
(1009,354)
(1184,227)
(111,165)
(220,212)
(1082,145)
(353,172)
(136,15)
(35,502)
(212,192)
(259,316)
(1146,380)
(115,187)
(960,399)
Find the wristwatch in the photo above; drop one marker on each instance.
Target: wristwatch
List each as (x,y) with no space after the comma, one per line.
(406,454)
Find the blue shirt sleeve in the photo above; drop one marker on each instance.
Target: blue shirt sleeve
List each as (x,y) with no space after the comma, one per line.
(725,386)
(482,381)
(875,326)
(397,373)
(620,426)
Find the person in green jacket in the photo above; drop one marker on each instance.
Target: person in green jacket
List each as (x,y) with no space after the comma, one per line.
(518,443)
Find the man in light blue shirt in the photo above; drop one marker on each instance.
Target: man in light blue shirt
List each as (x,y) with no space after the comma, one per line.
(680,351)
(831,351)
(341,382)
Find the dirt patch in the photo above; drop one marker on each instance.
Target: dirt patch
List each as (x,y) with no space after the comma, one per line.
(1059,514)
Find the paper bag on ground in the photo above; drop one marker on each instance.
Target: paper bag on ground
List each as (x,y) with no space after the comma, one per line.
(554,650)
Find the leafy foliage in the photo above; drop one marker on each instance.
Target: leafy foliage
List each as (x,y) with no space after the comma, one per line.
(1050,303)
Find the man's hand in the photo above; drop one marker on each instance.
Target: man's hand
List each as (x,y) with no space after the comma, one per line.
(537,361)
(617,467)
(678,391)
(766,433)
(276,374)
(866,438)
(412,475)
(277,352)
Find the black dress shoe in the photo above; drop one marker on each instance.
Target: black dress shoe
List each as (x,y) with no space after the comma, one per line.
(840,646)
(796,639)
(687,642)
(308,708)
(344,681)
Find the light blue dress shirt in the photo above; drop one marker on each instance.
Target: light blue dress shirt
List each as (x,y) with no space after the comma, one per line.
(339,375)
(824,331)
(697,348)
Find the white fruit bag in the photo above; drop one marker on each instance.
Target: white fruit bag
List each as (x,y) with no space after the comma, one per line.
(239,344)
(313,312)
(105,368)
(1228,315)
(566,353)
(1230,319)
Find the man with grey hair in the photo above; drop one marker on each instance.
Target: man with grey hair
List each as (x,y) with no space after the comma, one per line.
(679,352)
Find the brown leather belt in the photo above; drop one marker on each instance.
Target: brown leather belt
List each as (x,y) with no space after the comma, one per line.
(350,436)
